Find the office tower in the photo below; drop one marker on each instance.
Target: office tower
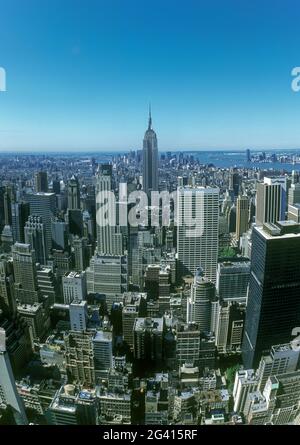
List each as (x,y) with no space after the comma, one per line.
(7,239)
(80,356)
(294,194)
(103,353)
(7,299)
(73,406)
(294,212)
(34,232)
(59,231)
(248,155)
(152,280)
(8,391)
(19,214)
(234,183)
(223,327)
(43,205)
(150,159)
(232,280)
(62,262)
(56,186)
(108,275)
(198,230)
(280,360)
(35,318)
(78,315)
(245,382)
(26,288)
(109,236)
(199,303)
(187,344)
(8,198)
(46,284)
(41,182)
(82,252)
(207,352)
(148,339)
(231,218)
(134,306)
(271,200)
(74,286)
(273,308)
(242,215)
(75,222)
(73,194)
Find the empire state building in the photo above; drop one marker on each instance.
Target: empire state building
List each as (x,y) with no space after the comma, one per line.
(150,159)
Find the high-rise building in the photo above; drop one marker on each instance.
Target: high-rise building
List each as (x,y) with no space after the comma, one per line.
(242,215)
(148,339)
(19,214)
(271,200)
(281,359)
(273,308)
(245,382)
(41,182)
(34,232)
(294,194)
(80,356)
(103,352)
(199,303)
(134,306)
(198,230)
(8,391)
(108,275)
(7,299)
(73,194)
(46,283)
(109,236)
(59,230)
(232,280)
(43,205)
(26,287)
(78,315)
(74,286)
(150,159)
(187,344)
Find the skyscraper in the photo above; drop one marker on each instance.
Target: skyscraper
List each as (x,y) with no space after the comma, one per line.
(273,308)
(43,205)
(41,182)
(199,303)
(109,236)
(73,194)
(242,216)
(271,200)
(232,280)
(198,230)
(150,159)
(34,232)
(26,287)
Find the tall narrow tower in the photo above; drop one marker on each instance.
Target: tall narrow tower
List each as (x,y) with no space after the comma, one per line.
(150,159)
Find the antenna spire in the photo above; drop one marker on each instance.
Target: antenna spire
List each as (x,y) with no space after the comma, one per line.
(150,118)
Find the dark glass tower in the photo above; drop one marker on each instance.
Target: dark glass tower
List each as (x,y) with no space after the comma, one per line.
(150,159)
(273,308)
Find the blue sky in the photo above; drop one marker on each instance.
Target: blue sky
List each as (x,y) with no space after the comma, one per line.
(80,74)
